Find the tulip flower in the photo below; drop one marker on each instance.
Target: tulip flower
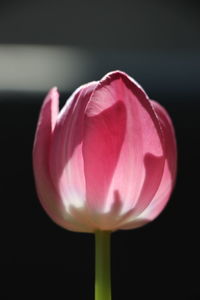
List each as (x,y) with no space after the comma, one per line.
(106,161)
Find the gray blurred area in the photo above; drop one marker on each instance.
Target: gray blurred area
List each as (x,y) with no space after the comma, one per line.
(67,43)
(118,25)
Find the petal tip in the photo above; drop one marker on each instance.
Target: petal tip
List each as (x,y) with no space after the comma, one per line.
(118,74)
(53,92)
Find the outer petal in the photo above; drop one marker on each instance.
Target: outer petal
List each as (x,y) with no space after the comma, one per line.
(122,148)
(169,175)
(46,192)
(66,161)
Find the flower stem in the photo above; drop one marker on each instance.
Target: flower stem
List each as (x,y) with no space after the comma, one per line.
(102,265)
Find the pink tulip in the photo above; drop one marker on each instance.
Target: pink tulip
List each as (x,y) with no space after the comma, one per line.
(107,160)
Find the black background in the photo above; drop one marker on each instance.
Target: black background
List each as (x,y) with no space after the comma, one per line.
(158,261)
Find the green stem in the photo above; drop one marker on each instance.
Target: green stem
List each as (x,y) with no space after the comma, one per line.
(102,266)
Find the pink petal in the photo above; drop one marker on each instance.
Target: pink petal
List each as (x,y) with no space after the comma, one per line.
(66,161)
(168,179)
(169,175)
(104,136)
(46,192)
(122,146)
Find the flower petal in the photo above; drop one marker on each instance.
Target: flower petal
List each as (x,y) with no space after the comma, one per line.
(168,179)
(47,194)
(66,161)
(121,130)
(169,174)
(103,139)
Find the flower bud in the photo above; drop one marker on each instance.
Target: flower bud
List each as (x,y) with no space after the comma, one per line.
(107,160)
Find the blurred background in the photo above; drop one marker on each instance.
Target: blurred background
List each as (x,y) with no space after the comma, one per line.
(65,44)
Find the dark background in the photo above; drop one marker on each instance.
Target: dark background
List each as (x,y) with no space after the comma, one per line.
(157,43)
